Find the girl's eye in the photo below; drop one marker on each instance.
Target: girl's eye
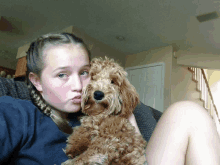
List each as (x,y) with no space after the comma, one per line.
(61,75)
(85,73)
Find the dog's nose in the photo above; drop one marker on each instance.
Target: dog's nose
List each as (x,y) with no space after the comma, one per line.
(98,95)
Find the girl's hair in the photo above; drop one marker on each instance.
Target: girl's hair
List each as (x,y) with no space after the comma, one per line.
(36,63)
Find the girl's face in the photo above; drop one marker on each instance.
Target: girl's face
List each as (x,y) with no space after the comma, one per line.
(60,85)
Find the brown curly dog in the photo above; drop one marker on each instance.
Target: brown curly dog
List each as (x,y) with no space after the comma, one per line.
(106,136)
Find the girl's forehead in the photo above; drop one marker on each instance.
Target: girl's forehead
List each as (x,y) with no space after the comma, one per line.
(68,55)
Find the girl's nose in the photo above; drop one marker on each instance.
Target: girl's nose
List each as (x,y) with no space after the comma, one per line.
(76,84)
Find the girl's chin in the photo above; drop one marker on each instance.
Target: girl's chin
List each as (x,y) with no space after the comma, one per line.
(75,109)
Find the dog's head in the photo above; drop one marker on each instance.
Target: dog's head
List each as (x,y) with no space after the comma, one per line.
(109,91)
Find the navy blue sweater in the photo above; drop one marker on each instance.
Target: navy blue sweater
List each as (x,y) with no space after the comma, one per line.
(27,136)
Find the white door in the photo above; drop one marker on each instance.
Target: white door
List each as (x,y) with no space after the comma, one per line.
(149,83)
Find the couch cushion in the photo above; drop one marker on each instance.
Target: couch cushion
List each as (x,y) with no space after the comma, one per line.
(15,89)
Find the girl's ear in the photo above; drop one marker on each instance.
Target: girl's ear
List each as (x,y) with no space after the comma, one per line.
(35,81)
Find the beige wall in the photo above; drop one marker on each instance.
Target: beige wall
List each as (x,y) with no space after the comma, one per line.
(214,83)
(213,76)
(198,57)
(154,55)
(182,86)
(98,49)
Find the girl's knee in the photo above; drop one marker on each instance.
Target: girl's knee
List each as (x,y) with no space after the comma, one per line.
(178,132)
(204,141)
(189,112)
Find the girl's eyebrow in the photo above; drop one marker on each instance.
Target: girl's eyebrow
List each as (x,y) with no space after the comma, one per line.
(88,65)
(64,67)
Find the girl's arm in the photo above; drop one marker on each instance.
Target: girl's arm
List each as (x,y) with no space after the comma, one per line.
(11,130)
(134,123)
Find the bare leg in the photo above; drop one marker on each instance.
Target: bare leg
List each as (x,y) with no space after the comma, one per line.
(185,134)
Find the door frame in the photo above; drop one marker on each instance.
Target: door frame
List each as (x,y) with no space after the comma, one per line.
(153,65)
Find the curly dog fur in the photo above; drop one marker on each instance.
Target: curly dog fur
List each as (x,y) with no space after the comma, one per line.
(106,135)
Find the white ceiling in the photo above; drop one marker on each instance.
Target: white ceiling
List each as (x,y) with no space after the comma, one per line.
(144,23)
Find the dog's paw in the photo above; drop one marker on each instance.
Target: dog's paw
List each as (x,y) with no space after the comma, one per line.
(75,161)
(142,160)
(98,159)
(68,162)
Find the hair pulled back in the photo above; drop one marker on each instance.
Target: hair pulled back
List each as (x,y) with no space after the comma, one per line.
(36,64)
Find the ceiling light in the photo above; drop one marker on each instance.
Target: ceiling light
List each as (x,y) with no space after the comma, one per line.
(120,38)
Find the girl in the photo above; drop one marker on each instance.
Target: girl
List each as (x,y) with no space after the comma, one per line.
(57,70)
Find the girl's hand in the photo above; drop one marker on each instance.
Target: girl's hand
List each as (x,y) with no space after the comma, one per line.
(134,123)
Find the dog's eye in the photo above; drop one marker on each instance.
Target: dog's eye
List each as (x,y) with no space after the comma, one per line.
(112,81)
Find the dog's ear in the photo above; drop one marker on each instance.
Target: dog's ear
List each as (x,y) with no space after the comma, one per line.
(130,98)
